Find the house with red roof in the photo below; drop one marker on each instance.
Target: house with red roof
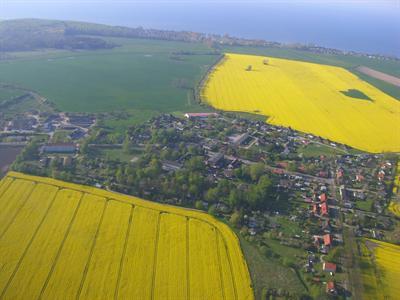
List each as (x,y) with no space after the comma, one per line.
(322,197)
(278,171)
(339,174)
(329,267)
(331,288)
(359,178)
(324,209)
(327,240)
(323,174)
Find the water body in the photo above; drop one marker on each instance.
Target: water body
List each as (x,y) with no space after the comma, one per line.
(360,25)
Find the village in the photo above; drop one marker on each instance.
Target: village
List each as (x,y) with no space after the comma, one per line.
(262,179)
(75,126)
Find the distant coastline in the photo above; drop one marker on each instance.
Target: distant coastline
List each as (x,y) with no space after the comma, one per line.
(76,29)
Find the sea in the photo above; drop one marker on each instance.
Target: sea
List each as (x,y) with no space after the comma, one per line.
(360,25)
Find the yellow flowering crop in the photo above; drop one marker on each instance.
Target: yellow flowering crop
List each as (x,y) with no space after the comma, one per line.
(65,241)
(308,97)
(383,284)
(394,205)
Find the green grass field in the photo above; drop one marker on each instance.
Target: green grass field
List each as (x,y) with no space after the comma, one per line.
(143,77)
(268,273)
(139,75)
(9,93)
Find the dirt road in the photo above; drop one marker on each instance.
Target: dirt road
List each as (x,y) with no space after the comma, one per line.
(379,75)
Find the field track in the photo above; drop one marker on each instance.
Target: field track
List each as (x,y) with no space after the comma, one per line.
(62,240)
(381,270)
(379,75)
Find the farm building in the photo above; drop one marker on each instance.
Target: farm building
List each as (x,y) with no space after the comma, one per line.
(239,139)
(59,148)
(200,115)
(171,166)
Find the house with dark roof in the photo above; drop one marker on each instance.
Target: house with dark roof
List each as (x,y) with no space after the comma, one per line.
(171,166)
(60,148)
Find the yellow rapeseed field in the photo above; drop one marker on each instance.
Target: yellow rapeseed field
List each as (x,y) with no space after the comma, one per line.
(66,241)
(307,97)
(394,205)
(381,278)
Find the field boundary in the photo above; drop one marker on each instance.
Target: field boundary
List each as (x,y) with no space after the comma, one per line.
(203,81)
(99,225)
(220,229)
(61,246)
(5,229)
(121,263)
(10,279)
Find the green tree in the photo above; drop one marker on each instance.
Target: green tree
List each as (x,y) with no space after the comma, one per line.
(127,145)
(196,163)
(235,198)
(84,147)
(199,205)
(211,195)
(256,171)
(212,210)
(119,175)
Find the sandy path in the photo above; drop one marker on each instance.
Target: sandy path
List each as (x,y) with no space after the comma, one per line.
(379,75)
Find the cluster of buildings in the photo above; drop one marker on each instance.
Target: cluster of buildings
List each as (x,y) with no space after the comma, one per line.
(34,122)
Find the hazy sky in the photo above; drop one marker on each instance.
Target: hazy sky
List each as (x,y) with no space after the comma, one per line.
(361,25)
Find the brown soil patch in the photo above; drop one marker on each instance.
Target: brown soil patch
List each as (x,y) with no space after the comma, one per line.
(379,75)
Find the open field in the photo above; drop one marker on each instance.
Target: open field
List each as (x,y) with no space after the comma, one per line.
(139,75)
(348,62)
(380,269)
(307,97)
(8,93)
(266,272)
(61,240)
(379,75)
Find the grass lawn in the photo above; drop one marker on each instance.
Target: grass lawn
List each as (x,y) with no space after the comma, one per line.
(115,155)
(267,272)
(139,75)
(28,103)
(8,93)
(131,117)
(289,228)
(368,272)
(364,205)
(61,136)
(317,150)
